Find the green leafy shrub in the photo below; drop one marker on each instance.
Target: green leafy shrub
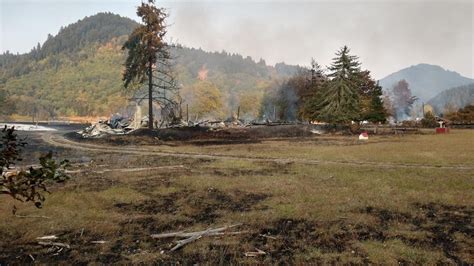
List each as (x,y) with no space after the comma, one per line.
(30,184)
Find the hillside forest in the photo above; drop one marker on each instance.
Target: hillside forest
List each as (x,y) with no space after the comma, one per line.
(78,73)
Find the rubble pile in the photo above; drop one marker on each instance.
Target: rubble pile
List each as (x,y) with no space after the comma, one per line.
(116,125)
(121,125)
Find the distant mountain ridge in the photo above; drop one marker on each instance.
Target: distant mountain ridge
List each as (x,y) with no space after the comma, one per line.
(453,99)
(425,80)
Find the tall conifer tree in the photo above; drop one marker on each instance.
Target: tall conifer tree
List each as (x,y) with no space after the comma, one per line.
(377,112)
(338,102)
(145,45)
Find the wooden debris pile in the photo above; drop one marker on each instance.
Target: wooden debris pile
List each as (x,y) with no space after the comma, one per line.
(193,236)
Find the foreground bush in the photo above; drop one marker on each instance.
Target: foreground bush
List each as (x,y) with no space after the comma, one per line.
(30,184)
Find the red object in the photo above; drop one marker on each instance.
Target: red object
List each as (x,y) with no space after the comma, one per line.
(365,134)
(442,130)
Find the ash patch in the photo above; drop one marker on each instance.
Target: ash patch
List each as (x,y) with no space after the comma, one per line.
(285,238)
(206,206)
(442,223)
(163,204)
(200,206)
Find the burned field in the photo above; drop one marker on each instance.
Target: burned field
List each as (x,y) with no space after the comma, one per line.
(293,200)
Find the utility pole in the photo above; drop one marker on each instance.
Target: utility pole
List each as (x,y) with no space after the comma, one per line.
(150,94)
(187,113)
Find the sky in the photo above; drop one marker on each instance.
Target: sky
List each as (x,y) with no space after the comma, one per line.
(386,35)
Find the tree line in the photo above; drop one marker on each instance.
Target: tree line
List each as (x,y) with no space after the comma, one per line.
(341,94)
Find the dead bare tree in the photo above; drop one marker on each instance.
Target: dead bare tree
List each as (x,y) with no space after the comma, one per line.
(165,90)
(146,52)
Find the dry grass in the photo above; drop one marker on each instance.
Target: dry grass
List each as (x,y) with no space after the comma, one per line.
(327,213)
(430,149)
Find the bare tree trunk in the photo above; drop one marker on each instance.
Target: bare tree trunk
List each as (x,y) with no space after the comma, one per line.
(150,96)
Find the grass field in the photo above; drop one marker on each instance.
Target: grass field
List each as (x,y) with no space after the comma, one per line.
(394,199)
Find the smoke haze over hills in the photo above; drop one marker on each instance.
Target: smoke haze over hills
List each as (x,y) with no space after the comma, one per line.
(425,81)
(386,35)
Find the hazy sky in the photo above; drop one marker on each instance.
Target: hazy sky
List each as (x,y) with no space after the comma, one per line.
(387,35)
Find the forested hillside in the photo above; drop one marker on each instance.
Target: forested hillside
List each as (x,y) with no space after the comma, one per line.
(78,72)
(453,99)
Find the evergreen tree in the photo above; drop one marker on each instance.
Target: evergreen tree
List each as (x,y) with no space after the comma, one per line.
(3,101)
(317,75)
(376,112)
(310,90)
(338,101)
(145,45)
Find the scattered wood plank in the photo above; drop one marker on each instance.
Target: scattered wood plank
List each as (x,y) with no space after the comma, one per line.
(98,242)
(54,244)
(188,240)
(267,236)
(256,253)
(51,237)
(193,236)
(190,234)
